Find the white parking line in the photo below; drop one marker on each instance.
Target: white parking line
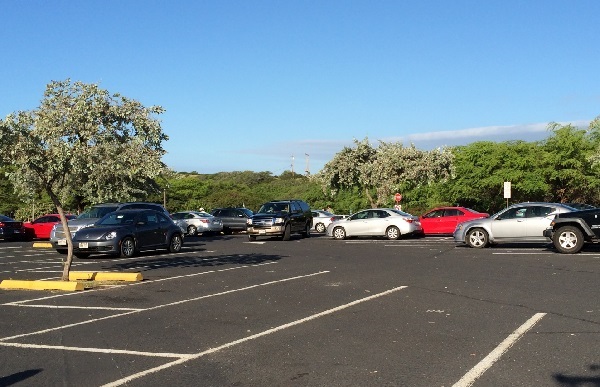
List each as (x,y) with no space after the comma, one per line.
(161,306)
(474,374)
(96,350)
(137,283)
(248,338)
(77,307)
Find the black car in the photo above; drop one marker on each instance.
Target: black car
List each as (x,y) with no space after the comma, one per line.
(11,229)
(281,218)
(234,219)
(126,232)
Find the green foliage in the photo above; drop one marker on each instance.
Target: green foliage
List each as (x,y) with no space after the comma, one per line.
(83,143)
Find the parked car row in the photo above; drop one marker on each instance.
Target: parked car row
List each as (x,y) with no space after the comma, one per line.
(125,228)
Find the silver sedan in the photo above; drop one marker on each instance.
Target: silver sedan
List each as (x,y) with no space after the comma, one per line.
(523,222)
(385,222)
(197,222)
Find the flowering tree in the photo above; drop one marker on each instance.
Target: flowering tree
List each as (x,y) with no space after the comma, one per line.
(83,141)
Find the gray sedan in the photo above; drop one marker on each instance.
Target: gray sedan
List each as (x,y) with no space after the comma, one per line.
(125,232)
(523,222)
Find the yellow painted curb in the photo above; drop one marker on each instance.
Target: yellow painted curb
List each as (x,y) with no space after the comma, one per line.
(41,285)
(104,276)
(42,244)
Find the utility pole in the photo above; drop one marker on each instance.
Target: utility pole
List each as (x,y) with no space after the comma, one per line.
(292,163)
(307,166)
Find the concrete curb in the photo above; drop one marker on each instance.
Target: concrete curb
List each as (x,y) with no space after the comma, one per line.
(41,285)
(42,244)
(104,276)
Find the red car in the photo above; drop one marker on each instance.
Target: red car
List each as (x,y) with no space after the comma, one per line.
(41,227)
(443,220)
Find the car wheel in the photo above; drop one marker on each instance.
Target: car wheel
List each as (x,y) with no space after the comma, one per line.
(61,251)
(339,233)
(568,240)
(82,255)
(392,232)
(175,244)
(192,230)
(320,227)
(306,232)
(127,247)
(227,231)
(251,238)
(287,233)
(477,238)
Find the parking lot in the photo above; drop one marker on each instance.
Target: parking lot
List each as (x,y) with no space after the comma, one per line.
(308,312)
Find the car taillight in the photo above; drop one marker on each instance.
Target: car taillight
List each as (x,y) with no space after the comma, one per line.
(409,220)
(205,220)
(2,224)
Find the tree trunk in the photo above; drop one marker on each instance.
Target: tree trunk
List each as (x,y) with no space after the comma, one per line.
(373,204)
(63,220)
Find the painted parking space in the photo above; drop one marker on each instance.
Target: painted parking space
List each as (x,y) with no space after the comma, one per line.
(312,312)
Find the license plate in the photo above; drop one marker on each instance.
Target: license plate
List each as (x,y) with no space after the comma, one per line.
(262,232)
(83,245)
(62,242)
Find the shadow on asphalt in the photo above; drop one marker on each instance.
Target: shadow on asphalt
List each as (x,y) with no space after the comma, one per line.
(18,377)
(148,263)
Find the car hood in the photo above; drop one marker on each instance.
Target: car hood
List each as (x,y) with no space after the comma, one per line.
(94,232)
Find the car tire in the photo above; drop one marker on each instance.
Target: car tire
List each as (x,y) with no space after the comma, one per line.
(287,233)
(127,249)
(82,255)
(251,238)
(392,233)
(477,238)
(319,227)
(227,231)
(568,240)
(192,230)
(339,233)
(175,244)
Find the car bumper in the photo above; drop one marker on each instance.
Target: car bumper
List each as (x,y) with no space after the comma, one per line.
(548,233)
(96,247)
(459,236)
(266,231)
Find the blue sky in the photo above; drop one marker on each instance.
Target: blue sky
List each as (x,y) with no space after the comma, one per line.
(256,85)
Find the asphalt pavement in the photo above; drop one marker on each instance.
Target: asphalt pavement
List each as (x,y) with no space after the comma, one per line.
(308,312)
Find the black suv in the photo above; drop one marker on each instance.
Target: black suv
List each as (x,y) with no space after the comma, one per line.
(234,219)
(281,218)
(571,230)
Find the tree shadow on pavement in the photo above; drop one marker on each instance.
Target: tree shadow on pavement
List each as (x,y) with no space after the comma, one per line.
(18,377)
(579,380)
(148,263)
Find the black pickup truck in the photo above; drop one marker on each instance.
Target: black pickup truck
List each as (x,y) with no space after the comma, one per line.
(569,231)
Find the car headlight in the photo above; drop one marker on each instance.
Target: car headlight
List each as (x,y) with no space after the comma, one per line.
(278,220)
(110,235)
(249,222)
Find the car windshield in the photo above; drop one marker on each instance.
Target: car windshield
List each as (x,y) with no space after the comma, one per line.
(247,211)
(269,208)
(96,212)
(117,218)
